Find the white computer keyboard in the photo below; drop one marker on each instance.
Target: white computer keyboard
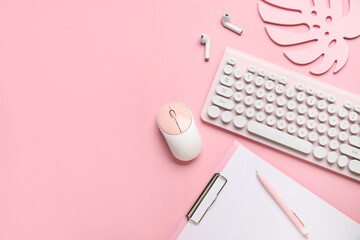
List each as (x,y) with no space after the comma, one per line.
(287,111)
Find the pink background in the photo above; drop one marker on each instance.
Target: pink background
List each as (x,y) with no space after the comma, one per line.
(80,86)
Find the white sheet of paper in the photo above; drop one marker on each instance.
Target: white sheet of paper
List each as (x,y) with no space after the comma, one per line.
(245,210)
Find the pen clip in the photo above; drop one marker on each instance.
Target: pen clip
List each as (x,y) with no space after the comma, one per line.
(297,217)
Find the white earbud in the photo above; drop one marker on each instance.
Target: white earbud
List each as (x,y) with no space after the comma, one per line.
(205,39)
(225,21)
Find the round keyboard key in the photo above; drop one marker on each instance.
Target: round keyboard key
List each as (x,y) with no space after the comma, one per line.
(259,104)
(302,109)
(259,81)
(226,116)
(260,93)
(239,121)
(283,80)
(238,73)
(290,116)
(269,108)
(239,85)
(270,97)
(332,132)
(320,152)
(320,95)
(323,140)
(354,129)
(302,132)
(290,92)
(279,112)
(333,121)
(321,105)
(291,105)
(353,116)
(357,109)
(228,69)
(213,111)
(279,89)
(281,124)
(281,101)
(248,77)
(299,87)
(348,105)
(300,120)
(311,101)
(300,96)
(332,157)
(231,61)
(310,91)
(331,108)
(239,109)
(342,112)
(262,72)
(344,125)
(310,124)
(270,120)
(334,144)
(250,112)
(321,128)
(292,128)
(312,112)
(323,117)
(238,96)
(343,136)
(313,137)
(272,76)
(260,116)
(269,85)
(248,100)
(252,68)
(331,98)
(342,161)
(250,89)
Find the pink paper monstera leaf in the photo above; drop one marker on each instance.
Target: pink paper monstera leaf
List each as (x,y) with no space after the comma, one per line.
(328,28)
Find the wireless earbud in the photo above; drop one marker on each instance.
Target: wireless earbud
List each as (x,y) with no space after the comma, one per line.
(225,21)
(205,39)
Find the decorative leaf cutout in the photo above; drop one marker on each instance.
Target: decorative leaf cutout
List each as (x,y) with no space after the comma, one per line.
(328,28)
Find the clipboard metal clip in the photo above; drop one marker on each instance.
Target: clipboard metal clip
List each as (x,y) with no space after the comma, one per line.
(206,198)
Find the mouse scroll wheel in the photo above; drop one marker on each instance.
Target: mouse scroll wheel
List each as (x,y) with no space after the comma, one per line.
(172,113)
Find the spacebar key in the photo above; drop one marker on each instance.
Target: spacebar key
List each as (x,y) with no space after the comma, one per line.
(279,137)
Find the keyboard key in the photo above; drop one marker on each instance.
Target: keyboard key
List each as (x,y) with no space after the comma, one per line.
(331,108)
(350,151)
(354,129)
(239,121)
(259,104)
(291,105)
(279,89)
(270,120)
(260,116)
(320,95)
(252,68)
(334,144)
(279,137)
(238,73)
(321,105)
(224,91)
(272,76)
(332,157)
(300,120)
(321,128)
(331,98)
(262,72)
(281,124)
(248,100)
(333,121)
(353,116)
(279,112)
(228,69)
(248,77)
(231,61)
(260,93)
(240,108)
(323,140)
(239,85)
(292,128)
(269,85)
(281,101)
(313,136)
(354,166)
(312,113)
(310,124)
(250,112)
(290,116)
(323,117)
(311,101)
(354,141)
(302,109)
(343,136)
(226,116)
(269,108)
(290,92)
(342,161)
(320,152)
(213,111)
(302,132)
(344,125)
(250,89)
(348,105)
(283,80)
(259,81)
(310,90)
(270,97)
(300,96)
(357,109)
(300,87)
(342,112)
(238,96)
(226,80)
(222,102)
(332,132)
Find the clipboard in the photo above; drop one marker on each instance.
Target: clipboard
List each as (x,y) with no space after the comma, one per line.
(240,207)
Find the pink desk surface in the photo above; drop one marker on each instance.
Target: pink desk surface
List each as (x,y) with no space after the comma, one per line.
(80,86)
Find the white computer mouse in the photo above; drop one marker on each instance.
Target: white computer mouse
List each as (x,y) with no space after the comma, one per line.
(178,127)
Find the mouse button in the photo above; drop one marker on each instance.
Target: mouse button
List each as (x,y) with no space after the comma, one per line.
(183,115)
(166,122)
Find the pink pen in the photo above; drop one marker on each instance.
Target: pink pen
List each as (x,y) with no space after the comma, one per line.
(291,214)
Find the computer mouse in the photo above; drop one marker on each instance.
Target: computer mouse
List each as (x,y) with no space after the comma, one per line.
(178,127)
